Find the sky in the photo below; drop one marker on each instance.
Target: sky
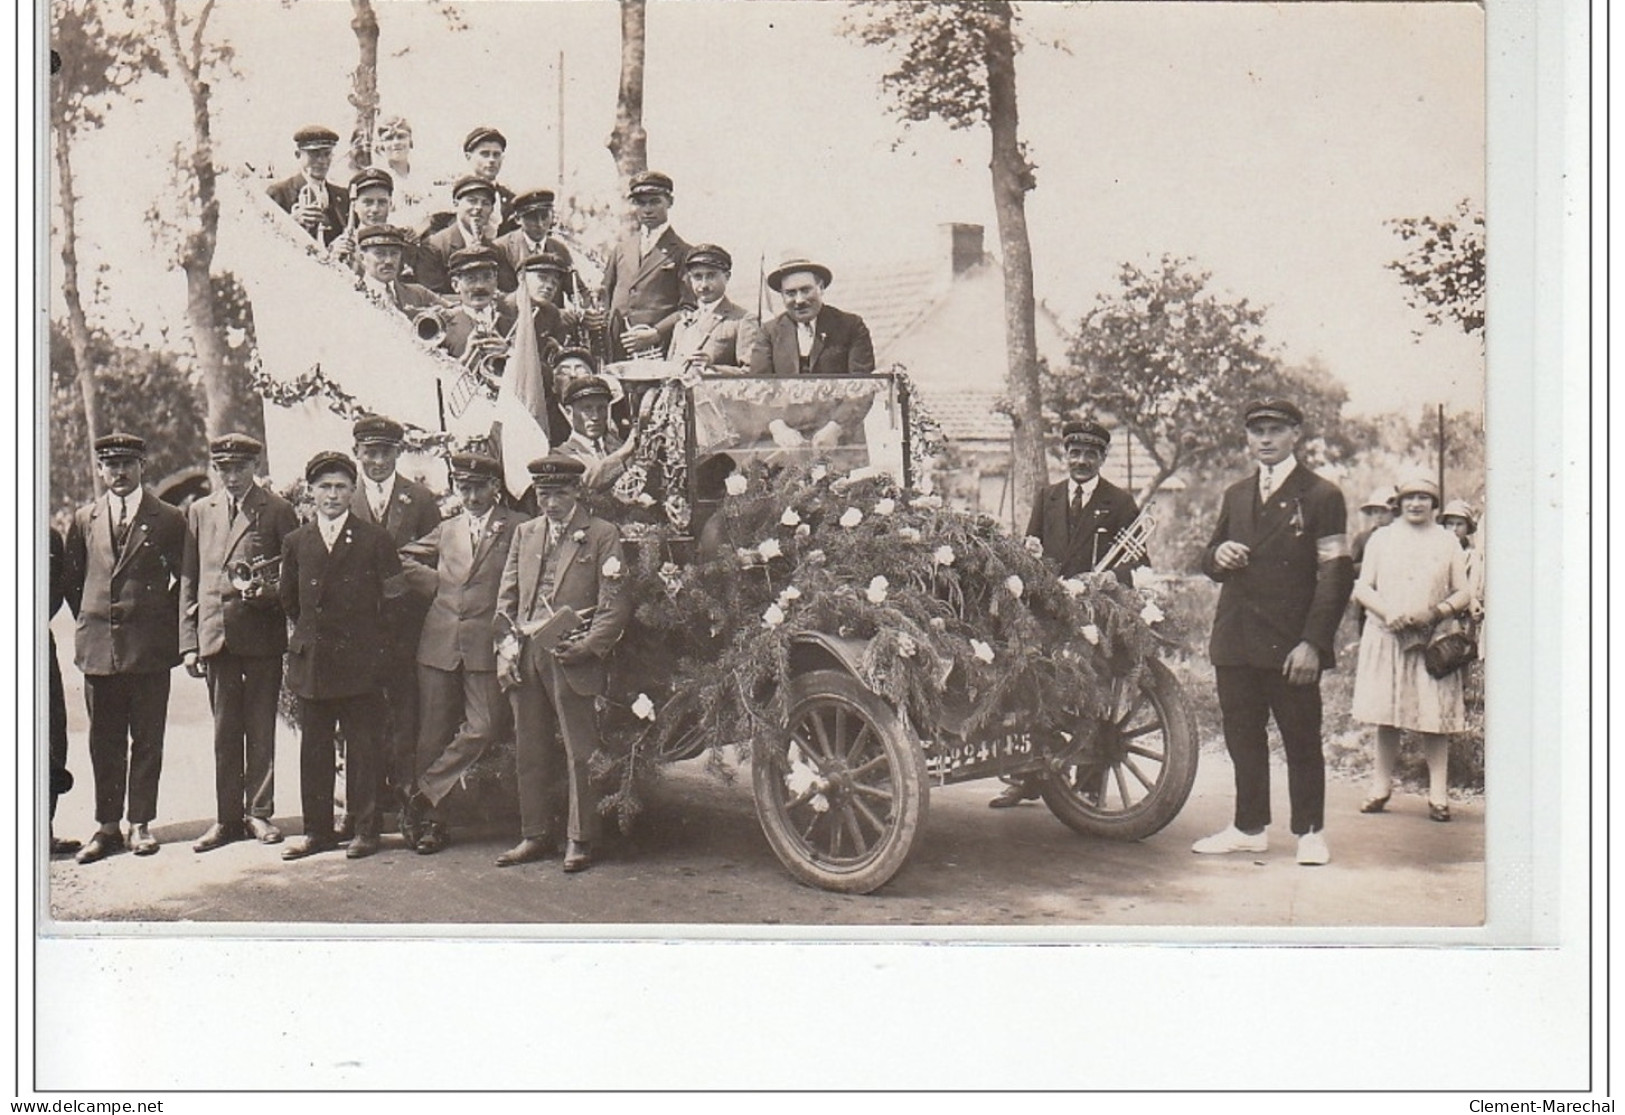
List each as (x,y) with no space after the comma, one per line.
(1267,142)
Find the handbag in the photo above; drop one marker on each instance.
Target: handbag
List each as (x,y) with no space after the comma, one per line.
(1451,646)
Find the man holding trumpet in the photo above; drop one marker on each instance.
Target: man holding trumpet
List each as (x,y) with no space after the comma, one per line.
(233,633)
(321,208)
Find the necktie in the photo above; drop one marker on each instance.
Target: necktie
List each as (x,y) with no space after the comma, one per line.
(123,516)
(380,505)
(231,513)
(474,533)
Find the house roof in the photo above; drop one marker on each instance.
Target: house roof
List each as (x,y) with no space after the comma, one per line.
(968,415)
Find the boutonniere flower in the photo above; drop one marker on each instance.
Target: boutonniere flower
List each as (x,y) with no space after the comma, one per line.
(348,537)
(403,499)
(579,537)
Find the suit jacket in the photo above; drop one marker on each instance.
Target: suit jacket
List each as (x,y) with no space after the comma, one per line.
(431,261)
(413,512)
(647,291)
(601,472)
(580,583)
(336,603)
(841,347)
(460,327)
(1075,547)
(727,338)
(516,248)
(463,582)
(410,299)
(1298,575)
(214,615)
(128,602)
(335,218)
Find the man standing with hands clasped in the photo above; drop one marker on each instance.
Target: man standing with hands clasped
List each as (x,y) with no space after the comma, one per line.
(1281,551)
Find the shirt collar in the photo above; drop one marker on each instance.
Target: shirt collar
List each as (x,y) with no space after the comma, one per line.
(1278,477)
(131,503)
(1085,492)
(710,307)
(482,520)
(649,237)
(332,528)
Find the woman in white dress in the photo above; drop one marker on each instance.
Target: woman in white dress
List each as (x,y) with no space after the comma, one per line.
(1414,575)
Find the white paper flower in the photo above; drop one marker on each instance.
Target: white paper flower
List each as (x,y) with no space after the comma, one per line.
(803,530)
(773,616)
(1073,586)
(611,567)
(746,555)
(1151,613)
(929,502)
(1014,585)
(790,594)
(944,555)
(1033,546)
(814,557)
(736,484)
(906,647)
(769,549)
(938,623)
(644,499)
(671,570)
(981,650)
(643,708)
(908,534)
(877,590)
(789,518)
(1091,634)
(885,506)
(851,517)
(817,473)
(819,803)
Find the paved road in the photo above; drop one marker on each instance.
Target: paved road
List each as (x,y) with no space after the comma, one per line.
(699,858)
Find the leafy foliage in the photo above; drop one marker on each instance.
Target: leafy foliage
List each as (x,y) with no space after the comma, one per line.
(1443,270)
(940,52)
(93,63)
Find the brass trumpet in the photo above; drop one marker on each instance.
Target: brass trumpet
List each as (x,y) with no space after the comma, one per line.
(255,578)
(430,326)
(1131,545)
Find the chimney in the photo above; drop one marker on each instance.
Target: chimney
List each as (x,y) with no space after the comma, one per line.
(964,246)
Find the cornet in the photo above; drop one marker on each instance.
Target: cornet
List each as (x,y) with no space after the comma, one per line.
(255,578)
(1131,544)
(309,200)
(430,326)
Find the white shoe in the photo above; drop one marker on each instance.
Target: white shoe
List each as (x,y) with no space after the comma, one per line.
(1312,849)
(1232,839)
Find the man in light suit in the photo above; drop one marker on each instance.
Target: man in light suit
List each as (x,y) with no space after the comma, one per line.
(715,334)
(233,634)
(811,337)
(336,573)
(1078,521)
(123,565)
(1281,552)
(562,559)
(407,510)
(591,441)
(380,254)
(473,198)
(459,565)
(643,282)
(321,208)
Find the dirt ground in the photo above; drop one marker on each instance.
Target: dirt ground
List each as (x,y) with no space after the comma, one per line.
(699,858)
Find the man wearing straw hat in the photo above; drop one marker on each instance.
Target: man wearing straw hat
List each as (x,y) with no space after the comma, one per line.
(811,337)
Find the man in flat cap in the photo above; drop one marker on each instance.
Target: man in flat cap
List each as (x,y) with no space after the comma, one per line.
(458,566)
(321,208)
(561,609)
(336,573)
(484,148)
(233,634)
(532,235)
(714,334)
(407,510)
(592,441)
(544,275)
(1281,552)
(1077,521)
(643,282)
(811,337)
(473,198)
(123,565)
(372,194)
(479,317)
(380,253)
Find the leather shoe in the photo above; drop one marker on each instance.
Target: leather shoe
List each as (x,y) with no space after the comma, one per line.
(308,846)
(61,846)
(528,850)
(1014,794)
(100,846)
(218,836)
(431,838)
(362,845)
(263,830)
(577,856)
(142,842)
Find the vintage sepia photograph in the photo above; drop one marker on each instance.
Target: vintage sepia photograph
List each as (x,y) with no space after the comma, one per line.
(735,466)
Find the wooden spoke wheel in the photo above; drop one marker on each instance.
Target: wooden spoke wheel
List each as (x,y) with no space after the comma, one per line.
(842,795)
(1141,768)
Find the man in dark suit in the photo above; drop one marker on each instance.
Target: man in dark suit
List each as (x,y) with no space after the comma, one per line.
(459,566)
(533,215)
(479,316)
(321,208)
(1281,551)
(372,199)
(380,251)
(336,572)
(810,337)
(485,148)
(473,198)
(57,714)
(233,634)
(407,510)
(1077,521)
(643,282)
(715,334)
(123,558)
(591,441)
(563,559)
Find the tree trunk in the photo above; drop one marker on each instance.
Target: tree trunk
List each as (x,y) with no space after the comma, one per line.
(628,142)
(1012,178)
(78,327)
(364,95)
